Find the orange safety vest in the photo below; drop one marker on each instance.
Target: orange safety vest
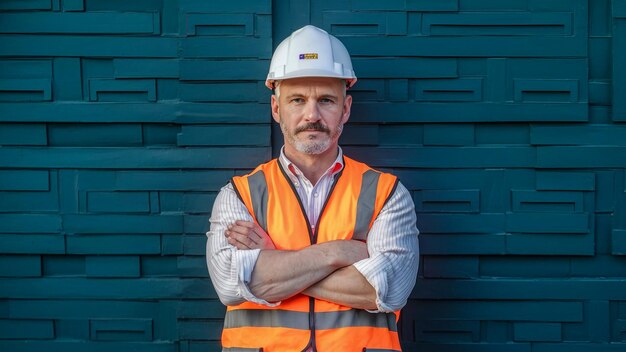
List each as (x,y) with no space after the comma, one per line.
(356,197)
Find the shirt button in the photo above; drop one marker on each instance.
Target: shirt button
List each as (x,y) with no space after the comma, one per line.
(296,184)
(315,194)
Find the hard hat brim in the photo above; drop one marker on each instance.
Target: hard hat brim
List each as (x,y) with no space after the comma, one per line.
(350,79)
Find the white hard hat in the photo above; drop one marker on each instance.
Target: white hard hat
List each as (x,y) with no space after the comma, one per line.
(310,52)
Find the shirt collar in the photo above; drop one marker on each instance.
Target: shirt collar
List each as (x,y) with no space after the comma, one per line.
(293,170)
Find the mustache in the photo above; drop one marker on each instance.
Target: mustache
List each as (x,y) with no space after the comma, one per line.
(315,126)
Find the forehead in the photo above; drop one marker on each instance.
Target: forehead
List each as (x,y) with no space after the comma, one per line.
(310,85)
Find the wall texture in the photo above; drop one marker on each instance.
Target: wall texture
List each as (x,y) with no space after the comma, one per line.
(120,121)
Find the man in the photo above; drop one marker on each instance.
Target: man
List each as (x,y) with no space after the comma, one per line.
(312,251)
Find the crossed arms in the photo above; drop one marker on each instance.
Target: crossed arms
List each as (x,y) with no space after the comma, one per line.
(378,275)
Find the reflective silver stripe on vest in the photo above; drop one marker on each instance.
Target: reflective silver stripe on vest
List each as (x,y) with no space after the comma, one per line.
(300,320)
(379,350)
(243,349)
(240,318)
(365,205)
(258,193)
(354,317)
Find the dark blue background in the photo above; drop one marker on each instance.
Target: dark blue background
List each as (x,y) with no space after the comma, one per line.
(121,120)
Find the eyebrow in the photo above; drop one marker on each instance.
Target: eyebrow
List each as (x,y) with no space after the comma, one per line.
(299,95)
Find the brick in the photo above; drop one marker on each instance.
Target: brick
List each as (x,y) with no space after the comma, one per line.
(578,347)
(461,223)
(198,69)
(23,134)
(113,244)
(578,135)
(510,134)
(85,46)
(529,267)
(570,181)
(26,5)
(462,244)
(547,201)
(516,289)
(84,22)
(224,47)
(118,202)
(192,266)
(219,24)
(552,222)
(20,266)
(446,331)
(73,5)
(122,90)
(128,112)
(26,329)
(35,244)
(196,224)
(132,158)
(112,266)
(171,244)
(581,157)
(115,223)
(447,201)
(26,89)
(502,310)
(81,310)
(159,266)
(24,180)
(413,5)
(200,310)
(79,346)
(451,267)
(537,332)
(194,244)
(254,6)
(29,223)
(249,135)
(200,330)
(71,329)
(67,85)
(550,244)
(400,134)
(415,67)
(97,135)
(146,68)
(101,288)
(63,265)
(360,135)
(618,242)
(444,157)
(450,90)
(498,23)
(121,329)
(448,135)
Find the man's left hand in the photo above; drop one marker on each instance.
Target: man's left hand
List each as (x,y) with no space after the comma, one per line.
(248,235)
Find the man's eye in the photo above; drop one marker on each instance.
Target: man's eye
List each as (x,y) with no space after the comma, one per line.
(297,100)
(326,100)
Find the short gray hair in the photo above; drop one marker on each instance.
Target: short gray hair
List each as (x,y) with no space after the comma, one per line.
(277,90)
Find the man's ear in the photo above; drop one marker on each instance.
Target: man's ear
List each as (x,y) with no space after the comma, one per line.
(275,114)
(347,105)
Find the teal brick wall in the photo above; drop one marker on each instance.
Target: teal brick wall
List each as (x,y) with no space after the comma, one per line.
(121,120)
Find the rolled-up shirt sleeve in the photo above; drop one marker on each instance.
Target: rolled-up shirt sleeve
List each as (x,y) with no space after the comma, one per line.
(230,269)
(394,252)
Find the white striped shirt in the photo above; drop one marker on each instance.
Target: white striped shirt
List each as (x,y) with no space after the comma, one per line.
(392,242)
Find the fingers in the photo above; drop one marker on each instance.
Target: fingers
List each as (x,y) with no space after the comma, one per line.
(243,235)
(245,231)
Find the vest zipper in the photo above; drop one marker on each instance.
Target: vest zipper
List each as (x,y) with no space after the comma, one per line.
(313,240)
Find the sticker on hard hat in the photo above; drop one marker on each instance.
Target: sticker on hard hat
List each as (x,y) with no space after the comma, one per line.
(312,56)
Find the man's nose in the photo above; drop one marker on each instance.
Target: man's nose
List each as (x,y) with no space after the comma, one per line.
(312,112)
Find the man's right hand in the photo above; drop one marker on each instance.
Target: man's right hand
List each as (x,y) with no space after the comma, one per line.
(248,235)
